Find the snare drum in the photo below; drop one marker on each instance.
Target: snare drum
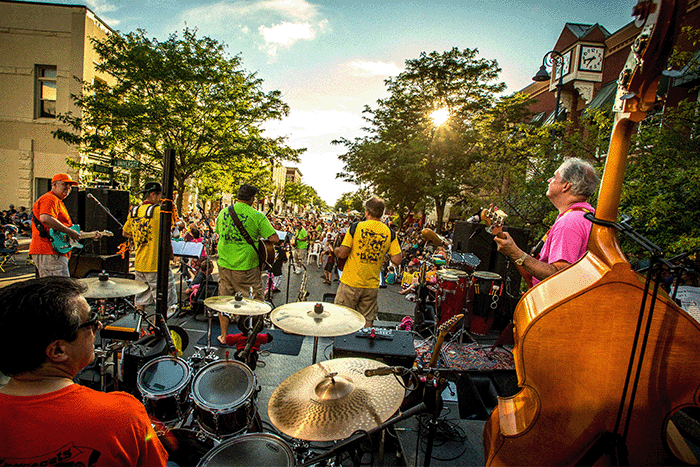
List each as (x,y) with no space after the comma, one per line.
(253,449)
(164,384)
(224,394)
(483,297)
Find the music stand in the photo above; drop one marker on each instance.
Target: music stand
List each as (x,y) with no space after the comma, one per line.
(185,249)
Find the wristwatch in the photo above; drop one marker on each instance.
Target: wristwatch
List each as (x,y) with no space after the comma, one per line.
(521,260)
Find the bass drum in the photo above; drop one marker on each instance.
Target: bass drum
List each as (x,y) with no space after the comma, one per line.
(224,394)
(186,447)
(250,450)
(164,384)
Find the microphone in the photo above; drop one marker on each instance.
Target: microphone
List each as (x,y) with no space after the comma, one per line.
(386,370)
(199,206)
(476,218)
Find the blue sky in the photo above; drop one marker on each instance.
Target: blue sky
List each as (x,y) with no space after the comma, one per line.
(330,58)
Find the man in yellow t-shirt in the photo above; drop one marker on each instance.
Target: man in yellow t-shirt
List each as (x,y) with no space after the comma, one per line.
(143,226)
(365,245)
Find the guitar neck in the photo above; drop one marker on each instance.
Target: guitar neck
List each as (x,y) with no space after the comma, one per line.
(88,235)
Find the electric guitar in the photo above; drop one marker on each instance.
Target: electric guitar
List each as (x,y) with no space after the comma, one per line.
(62,243)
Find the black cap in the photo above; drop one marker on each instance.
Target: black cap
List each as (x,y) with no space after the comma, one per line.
(151,187)
(247,192)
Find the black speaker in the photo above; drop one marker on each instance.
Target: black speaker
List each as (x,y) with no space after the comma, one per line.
(96,218)
(81,263)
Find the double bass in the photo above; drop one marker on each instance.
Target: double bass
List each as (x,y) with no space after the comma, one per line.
(602,364)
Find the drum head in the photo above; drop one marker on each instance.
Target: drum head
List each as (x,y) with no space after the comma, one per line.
(163,376)
(486,275)
(253,450)
(456,272)
(448,277)
(223,385)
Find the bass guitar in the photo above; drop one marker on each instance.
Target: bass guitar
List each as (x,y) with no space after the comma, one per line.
(603,363)
(62,243)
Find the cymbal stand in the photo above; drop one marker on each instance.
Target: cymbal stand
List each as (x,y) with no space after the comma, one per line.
(103,354)
(209,351)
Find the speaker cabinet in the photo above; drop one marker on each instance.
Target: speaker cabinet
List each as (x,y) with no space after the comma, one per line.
(81,263)
(96,218)
(472,238)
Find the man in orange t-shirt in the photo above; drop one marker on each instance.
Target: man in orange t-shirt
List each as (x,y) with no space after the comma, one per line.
(50,211)
(46,418)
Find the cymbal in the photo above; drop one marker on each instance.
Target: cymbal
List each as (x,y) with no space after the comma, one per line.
(332,399)
(307,319)
(237,305)
(104,286)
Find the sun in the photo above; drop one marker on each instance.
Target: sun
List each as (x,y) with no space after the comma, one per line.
(440,116)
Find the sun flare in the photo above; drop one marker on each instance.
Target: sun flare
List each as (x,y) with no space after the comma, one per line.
(440,116)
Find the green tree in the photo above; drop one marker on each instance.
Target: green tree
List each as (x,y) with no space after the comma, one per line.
(299,193)
(183,93)
(408,156)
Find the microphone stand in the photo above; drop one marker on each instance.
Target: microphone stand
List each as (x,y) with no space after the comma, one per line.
(208,349)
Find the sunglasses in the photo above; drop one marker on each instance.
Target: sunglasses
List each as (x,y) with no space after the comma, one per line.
(91,322)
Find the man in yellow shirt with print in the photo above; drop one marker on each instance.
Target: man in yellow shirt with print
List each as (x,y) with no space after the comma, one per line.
(364,246)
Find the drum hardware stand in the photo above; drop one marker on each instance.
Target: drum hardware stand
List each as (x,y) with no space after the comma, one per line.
(103,354)
(347,444)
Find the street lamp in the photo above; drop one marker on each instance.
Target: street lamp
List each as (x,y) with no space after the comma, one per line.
(552,58)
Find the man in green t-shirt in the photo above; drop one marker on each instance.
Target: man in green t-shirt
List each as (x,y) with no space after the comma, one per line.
(300,246)
(239,267)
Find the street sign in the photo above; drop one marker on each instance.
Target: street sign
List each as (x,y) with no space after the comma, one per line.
(127,164)
(103,169)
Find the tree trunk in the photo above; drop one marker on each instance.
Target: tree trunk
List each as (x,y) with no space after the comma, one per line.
(440,211)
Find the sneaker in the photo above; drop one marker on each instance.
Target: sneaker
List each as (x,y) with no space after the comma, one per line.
(172,311)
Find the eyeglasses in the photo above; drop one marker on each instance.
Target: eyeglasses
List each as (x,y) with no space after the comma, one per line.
(91,322)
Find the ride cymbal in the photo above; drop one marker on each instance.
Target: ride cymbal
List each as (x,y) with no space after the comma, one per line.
(105,287)
(237,305)
(332,399)
(317,319)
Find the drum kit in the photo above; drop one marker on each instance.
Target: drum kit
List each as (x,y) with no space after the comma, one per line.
(461,287)
(205,408)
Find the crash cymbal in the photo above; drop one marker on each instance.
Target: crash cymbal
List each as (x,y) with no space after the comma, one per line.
(317,319)
(237,305)
(332,399)
(104,286)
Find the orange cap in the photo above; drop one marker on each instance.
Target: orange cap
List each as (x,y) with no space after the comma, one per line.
(63,178)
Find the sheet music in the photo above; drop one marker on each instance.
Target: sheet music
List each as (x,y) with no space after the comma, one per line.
(187,249)
(690,300)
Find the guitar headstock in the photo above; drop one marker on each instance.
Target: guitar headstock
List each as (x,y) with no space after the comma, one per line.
(494,219)
(660,23)
(447,325)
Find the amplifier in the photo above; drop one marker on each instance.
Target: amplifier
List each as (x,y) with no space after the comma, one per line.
(126,328)
(395,349)
(138,354)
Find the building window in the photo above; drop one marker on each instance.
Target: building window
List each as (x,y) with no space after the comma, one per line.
(46,91)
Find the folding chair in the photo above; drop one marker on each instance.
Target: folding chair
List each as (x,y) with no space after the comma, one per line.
(7,256)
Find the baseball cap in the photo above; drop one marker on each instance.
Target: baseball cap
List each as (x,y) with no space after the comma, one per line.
(65,178)
(151,187)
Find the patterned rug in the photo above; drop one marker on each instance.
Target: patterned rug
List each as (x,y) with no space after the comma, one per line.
(466,357)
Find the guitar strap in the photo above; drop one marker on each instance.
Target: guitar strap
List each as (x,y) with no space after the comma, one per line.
(242,229)
(43,231)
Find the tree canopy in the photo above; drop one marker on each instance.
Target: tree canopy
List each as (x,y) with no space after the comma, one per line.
(408,155)
(183,93)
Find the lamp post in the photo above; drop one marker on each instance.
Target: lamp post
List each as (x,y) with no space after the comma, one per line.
(552,58)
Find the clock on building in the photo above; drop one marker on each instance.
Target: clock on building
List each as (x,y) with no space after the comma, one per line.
(564,65)
(591,58)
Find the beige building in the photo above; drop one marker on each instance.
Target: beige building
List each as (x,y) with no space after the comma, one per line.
(44,46)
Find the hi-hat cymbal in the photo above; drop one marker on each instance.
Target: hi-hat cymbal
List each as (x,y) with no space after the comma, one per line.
(317,319)
(237,305)
(104,286)
(332,399)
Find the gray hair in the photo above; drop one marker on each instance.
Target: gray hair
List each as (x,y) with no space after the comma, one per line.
(581,175)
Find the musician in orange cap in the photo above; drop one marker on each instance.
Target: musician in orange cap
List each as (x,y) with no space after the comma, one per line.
(49,213)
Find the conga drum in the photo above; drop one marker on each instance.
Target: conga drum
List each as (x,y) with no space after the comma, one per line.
(485,290)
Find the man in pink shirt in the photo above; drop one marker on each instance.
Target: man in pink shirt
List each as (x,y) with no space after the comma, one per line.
(572,184)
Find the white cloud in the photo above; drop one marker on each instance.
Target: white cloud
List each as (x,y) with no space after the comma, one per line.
(285,35)
(366,68)
(100,6)
(301,124)
(221,15)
